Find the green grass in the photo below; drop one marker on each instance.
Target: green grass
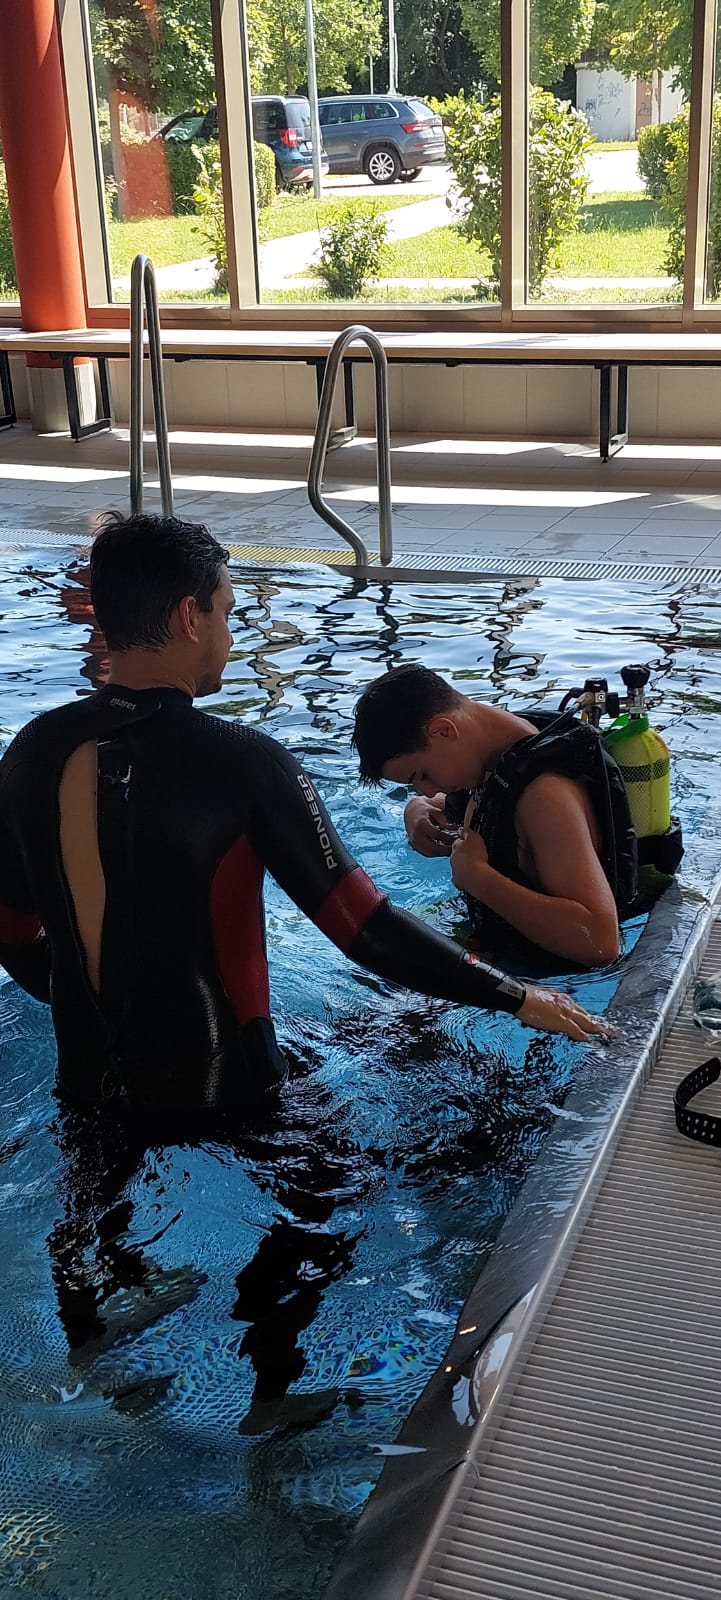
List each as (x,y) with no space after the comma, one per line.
(166,240)
(171,240)
(614,144)
(390,295)
(298,213)
(619,236)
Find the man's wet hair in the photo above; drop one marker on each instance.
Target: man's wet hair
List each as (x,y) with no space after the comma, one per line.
(141,568)
(393,713)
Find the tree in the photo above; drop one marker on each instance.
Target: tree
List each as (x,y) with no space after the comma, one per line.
(435,56)
(159,52)
(641,38)
(560,32)
(346,33)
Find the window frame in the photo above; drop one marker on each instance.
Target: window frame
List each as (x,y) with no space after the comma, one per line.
(245,309)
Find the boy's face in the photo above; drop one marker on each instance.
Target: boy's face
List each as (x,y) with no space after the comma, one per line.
(449,760)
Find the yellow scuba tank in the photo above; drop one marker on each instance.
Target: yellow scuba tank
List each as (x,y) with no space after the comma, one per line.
(643,759)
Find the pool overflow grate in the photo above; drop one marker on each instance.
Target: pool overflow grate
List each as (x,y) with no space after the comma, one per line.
(418,564)
(598,1475)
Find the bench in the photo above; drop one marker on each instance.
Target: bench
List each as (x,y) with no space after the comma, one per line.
(609,354)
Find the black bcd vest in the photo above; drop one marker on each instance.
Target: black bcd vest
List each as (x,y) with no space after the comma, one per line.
(572,749)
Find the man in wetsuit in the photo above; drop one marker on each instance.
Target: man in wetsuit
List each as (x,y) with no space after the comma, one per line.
(135,832)
(532,813)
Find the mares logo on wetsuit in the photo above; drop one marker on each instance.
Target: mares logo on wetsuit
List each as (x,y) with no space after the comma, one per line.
(314,809)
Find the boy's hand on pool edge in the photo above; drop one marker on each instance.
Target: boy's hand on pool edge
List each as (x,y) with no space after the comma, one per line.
(553,1012)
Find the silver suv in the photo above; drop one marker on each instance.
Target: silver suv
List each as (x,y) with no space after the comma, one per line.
(380,134)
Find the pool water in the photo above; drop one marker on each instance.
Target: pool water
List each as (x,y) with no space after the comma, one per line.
(147,1289)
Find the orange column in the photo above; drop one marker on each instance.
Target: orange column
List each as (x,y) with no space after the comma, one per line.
(36,151)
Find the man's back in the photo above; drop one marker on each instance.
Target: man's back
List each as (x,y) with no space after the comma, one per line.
(159,973)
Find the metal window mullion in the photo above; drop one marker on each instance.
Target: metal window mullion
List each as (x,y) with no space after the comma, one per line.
(81,101)
(514,157)
(235,132)
(703,62)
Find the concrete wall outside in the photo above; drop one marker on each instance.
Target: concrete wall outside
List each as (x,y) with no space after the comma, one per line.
(447,402)
(609,102)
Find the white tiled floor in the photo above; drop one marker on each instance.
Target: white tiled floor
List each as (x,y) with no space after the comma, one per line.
(651,503)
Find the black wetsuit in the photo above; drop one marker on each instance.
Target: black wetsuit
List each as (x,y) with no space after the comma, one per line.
(191,810)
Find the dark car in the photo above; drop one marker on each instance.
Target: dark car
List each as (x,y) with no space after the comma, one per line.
(382,135)
(280,121)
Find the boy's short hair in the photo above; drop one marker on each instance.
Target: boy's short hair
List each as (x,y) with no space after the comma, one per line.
(393,713)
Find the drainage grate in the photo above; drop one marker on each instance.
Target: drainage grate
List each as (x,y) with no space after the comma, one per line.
(597,1480)
(430,564)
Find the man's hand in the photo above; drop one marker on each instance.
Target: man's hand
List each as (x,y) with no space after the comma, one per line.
(553,1012)
(428,829)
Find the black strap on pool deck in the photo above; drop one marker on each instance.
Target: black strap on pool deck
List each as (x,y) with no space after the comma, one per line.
(698,1124)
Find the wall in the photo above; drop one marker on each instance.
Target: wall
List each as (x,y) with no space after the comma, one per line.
(447,402)
(616,107)
(609,102)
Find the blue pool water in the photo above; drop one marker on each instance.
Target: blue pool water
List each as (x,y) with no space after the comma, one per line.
(339,1243)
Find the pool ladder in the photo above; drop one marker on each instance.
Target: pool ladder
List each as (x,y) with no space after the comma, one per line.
(144,297)
(383,446)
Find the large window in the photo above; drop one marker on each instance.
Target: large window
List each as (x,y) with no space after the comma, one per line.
(8,278)
(160,153)
(605,220)
(540,160)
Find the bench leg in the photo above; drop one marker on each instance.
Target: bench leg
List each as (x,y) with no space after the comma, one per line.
(78,429)
(9,415)
(609,444)
(340,435)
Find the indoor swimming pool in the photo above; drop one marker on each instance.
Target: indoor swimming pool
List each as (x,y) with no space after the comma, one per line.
(336,1244)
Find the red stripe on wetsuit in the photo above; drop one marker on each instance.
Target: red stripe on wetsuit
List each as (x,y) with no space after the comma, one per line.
(236,913)
(345,911)
(19,927)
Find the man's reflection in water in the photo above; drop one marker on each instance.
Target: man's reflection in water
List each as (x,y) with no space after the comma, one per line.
(107,1286)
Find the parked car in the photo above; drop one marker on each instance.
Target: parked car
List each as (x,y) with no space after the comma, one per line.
(280,121)
(382,135)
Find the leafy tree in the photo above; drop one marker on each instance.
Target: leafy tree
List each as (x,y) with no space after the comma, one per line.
(560,32)
(159,51)
(434,53)
(346,33)
(641,38)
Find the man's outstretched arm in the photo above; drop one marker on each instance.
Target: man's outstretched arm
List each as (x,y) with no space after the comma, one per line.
(295,837)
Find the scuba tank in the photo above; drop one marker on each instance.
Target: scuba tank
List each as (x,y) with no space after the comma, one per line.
(643,760)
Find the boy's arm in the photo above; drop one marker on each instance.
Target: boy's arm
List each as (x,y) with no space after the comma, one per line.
(573,913)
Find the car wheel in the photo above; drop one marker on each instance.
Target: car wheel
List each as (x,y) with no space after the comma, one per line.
(382,165)
(410,176)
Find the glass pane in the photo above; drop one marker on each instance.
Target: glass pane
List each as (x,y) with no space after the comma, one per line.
(397,221)
(712,277)
(607,143)
(155,88)
(8,279)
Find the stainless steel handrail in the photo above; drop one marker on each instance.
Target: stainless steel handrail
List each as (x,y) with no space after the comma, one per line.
(383,445)
(143,288)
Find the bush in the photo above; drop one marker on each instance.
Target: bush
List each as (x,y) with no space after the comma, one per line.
(208,201)
(558,139)
(673,201)
(351,248)
(655,150)
(183,169)
(8,279)
(264,162)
